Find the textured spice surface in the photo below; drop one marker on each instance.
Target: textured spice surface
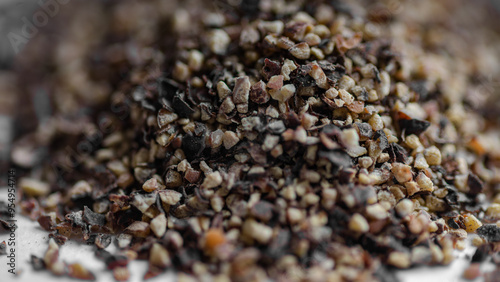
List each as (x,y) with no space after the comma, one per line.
(292,141)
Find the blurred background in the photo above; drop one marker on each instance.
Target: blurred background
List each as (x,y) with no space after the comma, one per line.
(12,13)
(57,53)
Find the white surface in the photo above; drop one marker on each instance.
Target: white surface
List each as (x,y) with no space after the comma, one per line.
(32,239)
(451,273)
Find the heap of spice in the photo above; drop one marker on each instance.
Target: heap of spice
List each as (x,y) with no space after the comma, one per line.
(286,140)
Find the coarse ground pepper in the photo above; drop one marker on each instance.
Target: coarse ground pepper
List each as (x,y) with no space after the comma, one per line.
(301,140)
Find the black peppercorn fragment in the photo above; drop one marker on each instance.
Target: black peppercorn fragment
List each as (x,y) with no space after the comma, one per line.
(193,145)
(385,275)
(92,218)
(180,106)
(3,248)
(279,244)
(167,88)
(58,238)
(339,159)
(452,197)
(4,225)
(262,210)
(111,261)
(397,153)
(413,126)
(476,186)
(481,254)
(4,209)
(102,241)
(382,140)
(37,263)
(489,232)
(365,130)
(452,223)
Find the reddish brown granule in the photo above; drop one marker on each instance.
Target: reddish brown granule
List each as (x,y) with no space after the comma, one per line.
(213,238)
(473,271)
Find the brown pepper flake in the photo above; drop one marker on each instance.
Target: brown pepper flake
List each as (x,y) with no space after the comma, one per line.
(248,37)
(271,68)
(121,274)
(472,272)
(125,180)
(192,175)
(3,248)
(295,30)
(152,185)
(159,225)
(46,222)
(78,271)
(402,172)
(344,44)
(173,179)
(356,107)
(165,117)
(218,41)
(230,139)
(170,197)
(258,93)
(138,229)
(284,94)
(300,51)
(159,256)
(258,231)
(33,187)
(143,201)
(275,82)
(476,146)
(51,258)
(241,90)
(227,105)
(212,180)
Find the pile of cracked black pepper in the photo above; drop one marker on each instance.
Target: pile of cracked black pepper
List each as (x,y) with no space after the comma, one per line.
(302,140)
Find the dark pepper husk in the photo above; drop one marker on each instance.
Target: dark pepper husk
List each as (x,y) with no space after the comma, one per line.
(489,232)
(3,248)
(413,126)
